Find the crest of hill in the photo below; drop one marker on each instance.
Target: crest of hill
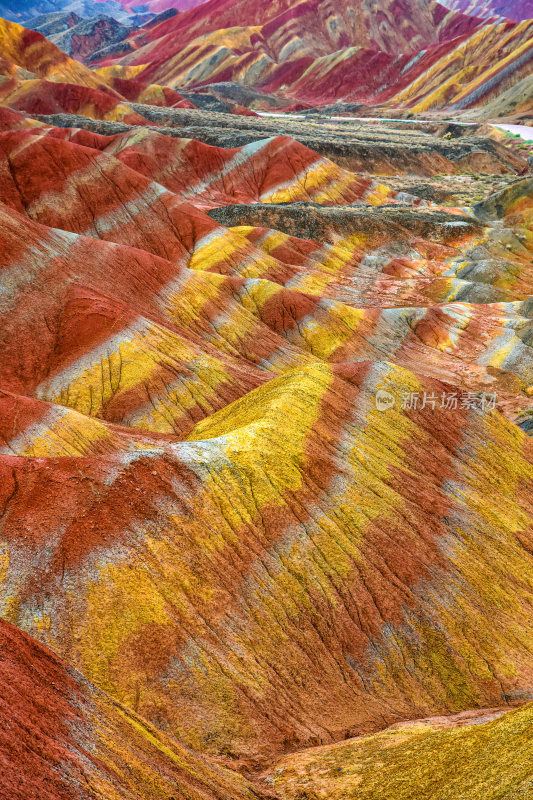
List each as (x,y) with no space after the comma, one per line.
(468,755)
(422,56)
(298,503)
(159,6)
(254,564)
(299,51)
(122,10)
(82,37)
(40,96)
(32,51)
(312,28)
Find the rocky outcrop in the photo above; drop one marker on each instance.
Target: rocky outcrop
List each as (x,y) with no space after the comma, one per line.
(512,9)
(311,55)
(228,382)
(30,50)
(360,147)
(38,96)
(88,36)
(23,11)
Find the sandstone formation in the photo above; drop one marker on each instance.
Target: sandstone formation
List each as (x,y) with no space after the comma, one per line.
(311,53)
(425,760)
(62,738)
(511,9)
(265,412)
(186,343)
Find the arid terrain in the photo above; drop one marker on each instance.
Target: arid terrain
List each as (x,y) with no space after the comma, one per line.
(266,401)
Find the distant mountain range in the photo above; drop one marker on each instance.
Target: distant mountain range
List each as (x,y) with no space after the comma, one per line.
(512,9)
(420,56)
(24,10)
(408,54)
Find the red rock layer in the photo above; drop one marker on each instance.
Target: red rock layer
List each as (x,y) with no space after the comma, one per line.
(202,505)
(46,97)
(62,738)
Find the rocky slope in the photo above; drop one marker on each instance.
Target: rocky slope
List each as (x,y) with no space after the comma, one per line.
(36,54)
(24,10)
(62,738)
(425,760)
(512,9)
(37,77)
(126,11)
(265,471)
(313,28)
(369,147)
(308,53)
(78,37)
(305,53)
(266,491)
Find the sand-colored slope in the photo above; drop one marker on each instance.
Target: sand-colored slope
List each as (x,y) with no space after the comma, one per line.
(32,51)
(512,9)
(40,96)
(440,759)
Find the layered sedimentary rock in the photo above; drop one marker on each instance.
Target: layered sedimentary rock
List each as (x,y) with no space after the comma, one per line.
(202,600)
(456,758)
(308,52)
(367,147)
(30,50)
(273,170)
(61,737)
(39,96)
(78,37)
(57,83)
(265,471)
(25,10)
(314,23)
(284,562)
(147,94)
(512,9)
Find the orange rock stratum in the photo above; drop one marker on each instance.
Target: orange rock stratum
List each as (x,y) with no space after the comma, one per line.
(266,466)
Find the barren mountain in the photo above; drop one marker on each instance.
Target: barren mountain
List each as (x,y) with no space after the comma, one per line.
(315,53)
(265,403)
(512,9)
(61,737)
